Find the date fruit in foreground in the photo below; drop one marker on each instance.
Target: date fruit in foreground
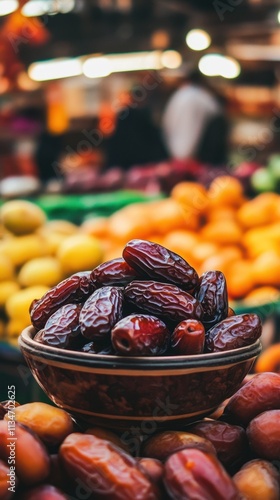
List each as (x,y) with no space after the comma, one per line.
(162,445)
(107,470)
(158,263)
(261,393)
(258,480)
(212,294)
(188,337)
(62,327)
(140,335)
(44,492)
(264,435)
(233,332)
(113,272)
(165,301)
(193,474)
(77,288)
(101,312)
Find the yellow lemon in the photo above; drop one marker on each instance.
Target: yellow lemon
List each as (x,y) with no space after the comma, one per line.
(41,271)
(7,289)
(6,267)
(20,249)
(17,306)
(21,216)
(79,252)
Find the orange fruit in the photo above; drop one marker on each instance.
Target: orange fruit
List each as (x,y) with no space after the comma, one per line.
(260,211)
(269,360)
(262,295)
(266,268)
(132,221)
(225,190)
(192,195)
(224,232)
(96,226)
(167,215)
(240,279)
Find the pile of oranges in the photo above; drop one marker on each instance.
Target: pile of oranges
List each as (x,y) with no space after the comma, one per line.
(216,228)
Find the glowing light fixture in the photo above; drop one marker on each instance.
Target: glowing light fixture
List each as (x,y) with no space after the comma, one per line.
(198,39)
(55,69)
(219,65)
(100,66)
(35,8)
(8,6)
(97,67)
(171,59)
(278,16)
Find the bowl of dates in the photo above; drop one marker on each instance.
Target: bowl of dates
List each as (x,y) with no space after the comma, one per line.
(140,340)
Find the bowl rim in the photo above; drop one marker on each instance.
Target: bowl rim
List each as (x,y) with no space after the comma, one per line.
(193,361)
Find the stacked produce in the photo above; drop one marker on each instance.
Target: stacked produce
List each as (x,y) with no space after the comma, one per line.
(216,228)
(231,455)
(36,254)
(150,302)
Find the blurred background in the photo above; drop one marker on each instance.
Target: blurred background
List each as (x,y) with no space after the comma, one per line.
(78,78)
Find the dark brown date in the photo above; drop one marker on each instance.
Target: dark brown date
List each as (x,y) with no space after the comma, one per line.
(162,445)
(261,393)
(44,492)
(229,441)
(156,262)
(101,312)
(140,335)
(107,471)
(264,435)
(94,347)
(258,480)
(62,327)
(113,272)
(212,294)
(165,301)
(77,288)
(233,332)
(188,337)
(153,468)
(193,474)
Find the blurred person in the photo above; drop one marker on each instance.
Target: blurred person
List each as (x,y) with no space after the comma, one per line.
(194,122)
(136,140)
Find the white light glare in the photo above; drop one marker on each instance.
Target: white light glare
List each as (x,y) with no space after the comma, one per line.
(171,59)
(218,65)
(35,8)
(97,67)
(278,16)
(198,39)
(7,7)
(55,69)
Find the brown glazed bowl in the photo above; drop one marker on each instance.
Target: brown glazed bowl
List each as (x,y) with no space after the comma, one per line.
(124,392)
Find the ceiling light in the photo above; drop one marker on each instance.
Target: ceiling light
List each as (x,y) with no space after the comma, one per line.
(171,59)
(97,67)
(35,8)
(219,65)
(55,69)
(198,39)
(7,7)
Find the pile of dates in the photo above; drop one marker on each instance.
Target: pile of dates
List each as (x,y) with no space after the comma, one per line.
(234,455)
(150,302)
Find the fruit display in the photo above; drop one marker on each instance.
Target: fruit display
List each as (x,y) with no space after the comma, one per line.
(233,454)
(36,254)
(218,228)
(156,304)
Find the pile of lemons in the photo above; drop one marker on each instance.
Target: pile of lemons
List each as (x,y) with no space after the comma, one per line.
(36,254)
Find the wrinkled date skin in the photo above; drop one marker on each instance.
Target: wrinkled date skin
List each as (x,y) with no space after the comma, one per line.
(166,301)
(94,347)
(32,459)
(5,494)
(233,332)
(212,294)
(113,272)
(101,312)
(51,424)
(44,492)
(264,435)
(261,393)
(193,474)
(140,335)
(102,433)
(62,328)
(258,480)
(162,445)
(158,263)
(107,471)
(229,441)
(77,288)
(188,337)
